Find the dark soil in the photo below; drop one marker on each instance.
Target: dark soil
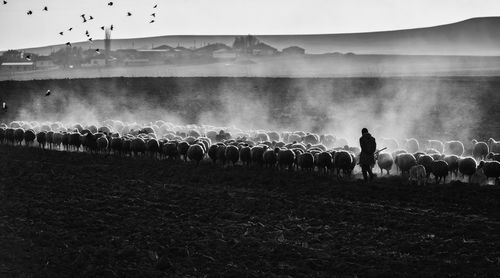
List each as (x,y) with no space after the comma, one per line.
(81,215)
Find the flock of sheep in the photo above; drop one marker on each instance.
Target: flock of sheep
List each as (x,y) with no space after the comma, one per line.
(477,161)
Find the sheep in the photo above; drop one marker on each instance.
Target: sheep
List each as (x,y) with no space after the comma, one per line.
(437,156)
(50,139)
(390,143)
(9,135)
(418,174)
(328,140)
(221,153)
(452,161)
(324,161)
(493,156)
(126,146)
(435,144)
(57,139)
(74,140)
(417,155)
(385,162)
(116,144)
(491,170)
(195,153)
(467,166)
(257,154)
(306,161)
(194,133)
(232,154)
(294,138)
(41,139)
(311,139)
(454,147)
(480,150)
(29,137)
(212,152)
(412,145)
(245,155)
(426,161)
(260,137)
(92,128)
(2,134)
(342,160)
(270,157)
(439,168)
(102,144)
(494,145)
(182,148)
(405,161)
(152,147)
(137,145)
(19,135)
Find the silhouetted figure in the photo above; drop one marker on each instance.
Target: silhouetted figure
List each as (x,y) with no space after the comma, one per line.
(47,93)
(367,156)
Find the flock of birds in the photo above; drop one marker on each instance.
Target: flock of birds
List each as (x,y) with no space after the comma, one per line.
(298,150)
(85,19)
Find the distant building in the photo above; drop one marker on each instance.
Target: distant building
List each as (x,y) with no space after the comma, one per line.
(293,50)
(17,66)
(163,47)
(262,49)
(208,50)
(224,54)
(44,62)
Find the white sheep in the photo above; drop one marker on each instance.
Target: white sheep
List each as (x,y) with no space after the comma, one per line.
(454,147)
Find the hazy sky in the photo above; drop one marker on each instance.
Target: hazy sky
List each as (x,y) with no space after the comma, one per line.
(205,17)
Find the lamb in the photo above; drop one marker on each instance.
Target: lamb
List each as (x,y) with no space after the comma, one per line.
(412,146)
(405,161)
(467,166)
(232,154)
(494,145)
(342,160)
(491,170)
(418,174)
(435,144)
(479,150)
(195,153)
(493,156)
(439,169)
(454,147)
(385,162)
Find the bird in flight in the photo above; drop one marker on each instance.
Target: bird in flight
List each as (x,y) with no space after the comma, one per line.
(47,93)
(29,13)
(153,14)
(102,27)
(87,33)
(90,39)
(155,6)
(4,2)
(46,9)
(61,33)
(111,27)
(129,13)
(110,4)
(97,51)
(68,44)
(70,29)
(152,21)
(28,57)
(91,17)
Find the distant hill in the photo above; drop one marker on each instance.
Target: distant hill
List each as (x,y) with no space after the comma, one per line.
(476,36)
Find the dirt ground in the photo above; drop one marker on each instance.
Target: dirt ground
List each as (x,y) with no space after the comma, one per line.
(81,215)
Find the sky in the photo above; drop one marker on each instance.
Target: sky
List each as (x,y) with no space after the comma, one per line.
(222,17)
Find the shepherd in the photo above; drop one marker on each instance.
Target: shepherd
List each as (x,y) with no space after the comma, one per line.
(367,156)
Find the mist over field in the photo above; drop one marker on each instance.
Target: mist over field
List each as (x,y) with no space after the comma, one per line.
(422,107)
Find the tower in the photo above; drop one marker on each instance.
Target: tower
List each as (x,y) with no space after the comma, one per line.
(107,44)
